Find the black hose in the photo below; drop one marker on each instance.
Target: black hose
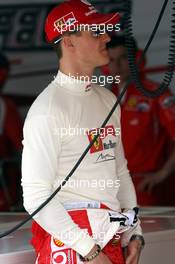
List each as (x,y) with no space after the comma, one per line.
(131,52)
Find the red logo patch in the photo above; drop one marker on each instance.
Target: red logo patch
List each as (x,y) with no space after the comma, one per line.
(65,21)
(104,132)
(98,144)
(65,256)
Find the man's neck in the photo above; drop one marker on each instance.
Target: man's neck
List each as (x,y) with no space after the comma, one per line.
(76,70)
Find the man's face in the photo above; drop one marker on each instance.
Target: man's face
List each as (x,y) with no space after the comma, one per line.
(90,49)
(118,64)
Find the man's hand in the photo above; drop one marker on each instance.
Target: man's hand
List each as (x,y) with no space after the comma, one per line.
(101,258)
(132,252)
(150,180)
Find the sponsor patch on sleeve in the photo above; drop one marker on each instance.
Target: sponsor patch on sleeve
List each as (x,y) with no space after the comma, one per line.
(168,101)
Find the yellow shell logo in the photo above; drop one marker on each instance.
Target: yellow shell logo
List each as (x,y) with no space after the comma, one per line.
(132,101)
(58,243)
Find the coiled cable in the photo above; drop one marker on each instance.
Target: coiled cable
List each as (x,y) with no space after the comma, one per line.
(131,52)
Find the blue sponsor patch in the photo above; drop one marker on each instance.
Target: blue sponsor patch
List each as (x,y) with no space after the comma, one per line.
(143,107)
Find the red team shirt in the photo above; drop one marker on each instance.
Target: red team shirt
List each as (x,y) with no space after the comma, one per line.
(147,125)
(10,128)
(10,141)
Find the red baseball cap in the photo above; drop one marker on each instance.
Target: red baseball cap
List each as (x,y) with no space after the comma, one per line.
(71,13)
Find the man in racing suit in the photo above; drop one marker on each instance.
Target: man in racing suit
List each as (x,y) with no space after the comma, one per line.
(92,215)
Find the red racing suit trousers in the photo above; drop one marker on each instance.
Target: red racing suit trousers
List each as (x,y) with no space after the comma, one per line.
(50,250)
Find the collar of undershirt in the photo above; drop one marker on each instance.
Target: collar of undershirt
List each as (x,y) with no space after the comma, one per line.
(71,83)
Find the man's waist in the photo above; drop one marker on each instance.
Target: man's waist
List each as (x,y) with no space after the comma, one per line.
(84,204)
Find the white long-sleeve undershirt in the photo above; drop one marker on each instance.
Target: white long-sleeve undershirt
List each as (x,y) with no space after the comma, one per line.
(55,136)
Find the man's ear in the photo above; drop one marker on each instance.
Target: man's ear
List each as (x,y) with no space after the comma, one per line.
(67,42)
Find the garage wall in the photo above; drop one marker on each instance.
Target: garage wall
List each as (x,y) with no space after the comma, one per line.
(43,63)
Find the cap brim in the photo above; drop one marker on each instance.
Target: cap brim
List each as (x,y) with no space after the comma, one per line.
(112,18)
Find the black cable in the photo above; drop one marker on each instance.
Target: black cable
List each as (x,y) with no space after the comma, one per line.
(131,53)
(75,166)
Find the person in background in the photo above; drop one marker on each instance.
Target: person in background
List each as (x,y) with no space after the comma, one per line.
(147,126)
(10,143)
